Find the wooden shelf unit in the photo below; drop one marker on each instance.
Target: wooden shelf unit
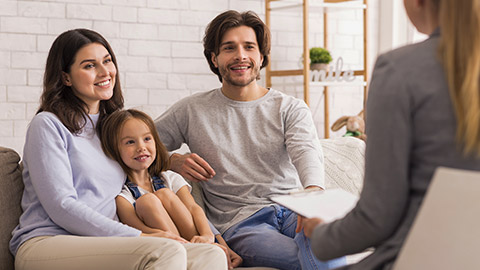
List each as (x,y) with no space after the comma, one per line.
(325,6)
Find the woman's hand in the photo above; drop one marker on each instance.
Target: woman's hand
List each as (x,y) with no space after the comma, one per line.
(299,224)
(207,239)
(309,225)
(165,234)
(300,219)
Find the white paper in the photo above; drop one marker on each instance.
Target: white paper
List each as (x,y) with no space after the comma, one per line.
(328,205)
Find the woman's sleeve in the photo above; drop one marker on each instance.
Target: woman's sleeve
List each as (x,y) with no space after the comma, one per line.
(48,163)
(384,197)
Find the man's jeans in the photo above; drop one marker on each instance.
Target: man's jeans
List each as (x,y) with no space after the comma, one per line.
(268,238)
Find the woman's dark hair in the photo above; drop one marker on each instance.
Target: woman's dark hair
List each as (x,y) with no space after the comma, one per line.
(110,137)
(231,19)
(58,98)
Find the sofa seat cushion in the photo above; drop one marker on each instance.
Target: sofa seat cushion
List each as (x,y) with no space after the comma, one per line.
(10,198)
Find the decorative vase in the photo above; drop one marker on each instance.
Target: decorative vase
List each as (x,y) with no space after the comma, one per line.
(319,71)
(319,66)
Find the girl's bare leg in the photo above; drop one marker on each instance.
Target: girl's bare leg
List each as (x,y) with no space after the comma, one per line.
(151,211)
(178,212)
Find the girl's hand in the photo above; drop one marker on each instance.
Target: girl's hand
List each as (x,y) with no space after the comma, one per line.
(309,225)
(208,239)
(165,234)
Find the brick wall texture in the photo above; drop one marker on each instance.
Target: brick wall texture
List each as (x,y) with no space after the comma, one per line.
(159,51)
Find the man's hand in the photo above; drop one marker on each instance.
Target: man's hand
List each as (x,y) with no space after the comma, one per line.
(300,219)
(309,225)
(225,249)
(191,166)
(235,259)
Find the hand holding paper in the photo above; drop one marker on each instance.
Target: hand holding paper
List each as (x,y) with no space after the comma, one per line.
(325,204)
(309,224)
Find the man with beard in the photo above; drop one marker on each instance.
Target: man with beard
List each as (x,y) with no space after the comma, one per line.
(247,143)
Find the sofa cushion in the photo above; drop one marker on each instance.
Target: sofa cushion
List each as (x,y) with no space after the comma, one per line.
(344,159)
(10,197)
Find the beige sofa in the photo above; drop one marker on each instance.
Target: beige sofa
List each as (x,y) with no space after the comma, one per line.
(344,163)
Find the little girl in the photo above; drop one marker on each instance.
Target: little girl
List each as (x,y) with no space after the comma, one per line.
(152,197)
(147,200)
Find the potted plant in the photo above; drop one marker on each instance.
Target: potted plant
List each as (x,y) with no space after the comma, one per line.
(319,58)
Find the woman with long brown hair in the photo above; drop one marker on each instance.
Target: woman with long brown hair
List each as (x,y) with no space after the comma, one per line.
(69,216)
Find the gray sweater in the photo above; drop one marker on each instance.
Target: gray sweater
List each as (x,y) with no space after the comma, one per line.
(411,131)
(258,148)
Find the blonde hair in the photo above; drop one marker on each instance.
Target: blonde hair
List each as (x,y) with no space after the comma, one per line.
(460,53)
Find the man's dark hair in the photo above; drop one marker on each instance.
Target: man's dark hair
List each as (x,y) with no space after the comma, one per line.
(231,19)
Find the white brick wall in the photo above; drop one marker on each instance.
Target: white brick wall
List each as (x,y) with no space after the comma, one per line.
(7,128)
(18,41)
(159,50)
(3,94)
(41,9)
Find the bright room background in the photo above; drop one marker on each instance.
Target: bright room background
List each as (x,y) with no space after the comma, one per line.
(160,54)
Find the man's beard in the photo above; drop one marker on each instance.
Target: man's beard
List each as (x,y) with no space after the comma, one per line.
(228,78)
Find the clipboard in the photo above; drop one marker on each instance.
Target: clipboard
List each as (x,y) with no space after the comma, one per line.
(328,205)
(445,232)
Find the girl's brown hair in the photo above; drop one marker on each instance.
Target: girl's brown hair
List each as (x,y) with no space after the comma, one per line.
(460,53)
(58,98)
(231,19)
(110,137)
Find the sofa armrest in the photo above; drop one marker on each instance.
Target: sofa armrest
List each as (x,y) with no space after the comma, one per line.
(10,197)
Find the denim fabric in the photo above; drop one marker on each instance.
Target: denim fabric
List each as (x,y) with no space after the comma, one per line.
(268,238)
(157,183)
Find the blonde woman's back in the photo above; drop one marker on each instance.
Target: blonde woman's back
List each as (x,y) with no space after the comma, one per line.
(411,128)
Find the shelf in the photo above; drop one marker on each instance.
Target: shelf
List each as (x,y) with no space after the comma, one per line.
(299,72)
(317,6)
(322,8)
(325,84)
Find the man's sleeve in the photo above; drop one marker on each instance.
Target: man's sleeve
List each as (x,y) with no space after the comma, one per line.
(303,145)
(168,127)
